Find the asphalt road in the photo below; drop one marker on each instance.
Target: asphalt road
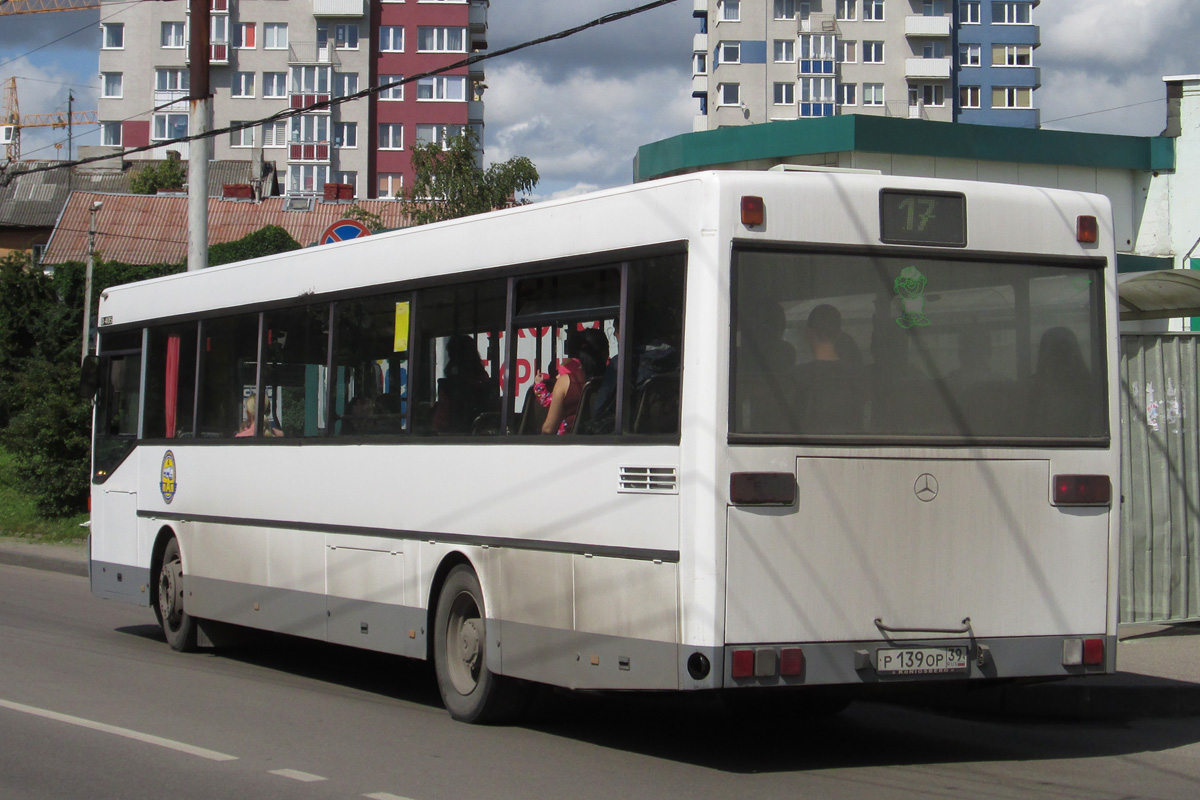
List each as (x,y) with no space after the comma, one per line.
(93,704)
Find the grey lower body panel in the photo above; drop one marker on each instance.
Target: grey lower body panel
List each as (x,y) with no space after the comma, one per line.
(120,582)
(855,663)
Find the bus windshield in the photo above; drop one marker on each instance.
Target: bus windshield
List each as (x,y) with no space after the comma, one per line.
(897,347)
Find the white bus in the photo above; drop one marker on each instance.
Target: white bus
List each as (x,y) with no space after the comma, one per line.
(853,431)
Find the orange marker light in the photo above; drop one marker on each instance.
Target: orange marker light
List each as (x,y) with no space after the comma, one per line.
(1087,230)
(754,212)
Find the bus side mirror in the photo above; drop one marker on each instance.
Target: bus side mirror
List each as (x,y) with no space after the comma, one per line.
(89,377)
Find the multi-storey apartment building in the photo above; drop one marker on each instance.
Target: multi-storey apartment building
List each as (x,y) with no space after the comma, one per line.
(269,56)
(761,60)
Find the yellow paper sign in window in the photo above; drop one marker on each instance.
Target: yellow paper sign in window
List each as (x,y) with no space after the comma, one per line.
(401,336)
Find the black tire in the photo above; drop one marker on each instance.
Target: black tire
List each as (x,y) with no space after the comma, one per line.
(470,691)
(178,626)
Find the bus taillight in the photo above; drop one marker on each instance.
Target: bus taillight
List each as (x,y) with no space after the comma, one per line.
(762,488)
(743,663)
(1083,652)
(1087,230)
(754,211)
(1082,490)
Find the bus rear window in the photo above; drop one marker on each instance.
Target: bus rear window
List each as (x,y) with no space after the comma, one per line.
(897,347)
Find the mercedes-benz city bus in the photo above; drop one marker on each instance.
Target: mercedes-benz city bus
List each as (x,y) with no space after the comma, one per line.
(833,431)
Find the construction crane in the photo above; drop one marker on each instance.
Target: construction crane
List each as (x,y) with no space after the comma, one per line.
(12,122)
(11,7)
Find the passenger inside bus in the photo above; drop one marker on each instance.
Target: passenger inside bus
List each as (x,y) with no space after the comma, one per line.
(466,390)
(766,366)
(587,357)
(1061,378)
(270,426)
(831,385)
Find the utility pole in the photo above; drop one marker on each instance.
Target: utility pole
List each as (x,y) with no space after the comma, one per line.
(198,149)
(87,281)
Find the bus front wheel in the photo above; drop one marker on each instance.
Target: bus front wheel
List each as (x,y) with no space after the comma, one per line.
(471,692)
(178,626)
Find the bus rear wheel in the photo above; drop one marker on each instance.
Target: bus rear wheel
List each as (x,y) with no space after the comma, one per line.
(178,626)
(470,691)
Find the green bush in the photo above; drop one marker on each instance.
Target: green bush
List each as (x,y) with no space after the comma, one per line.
(263,242)
(169,174)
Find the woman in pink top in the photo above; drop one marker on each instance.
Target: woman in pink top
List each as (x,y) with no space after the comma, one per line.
(587,354)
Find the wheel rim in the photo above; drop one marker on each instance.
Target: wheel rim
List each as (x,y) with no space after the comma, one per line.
(170,594)
(464,643)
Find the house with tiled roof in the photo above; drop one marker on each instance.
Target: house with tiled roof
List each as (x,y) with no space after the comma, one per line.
(34,193)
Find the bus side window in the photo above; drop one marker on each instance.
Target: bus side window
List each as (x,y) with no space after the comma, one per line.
(656,344)
(371,366)
(117,411)
(295,372)
(170,382)
(228,373)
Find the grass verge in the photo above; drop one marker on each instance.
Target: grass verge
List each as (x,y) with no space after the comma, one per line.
(19,517)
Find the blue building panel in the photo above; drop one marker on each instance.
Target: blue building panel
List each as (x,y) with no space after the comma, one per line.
(754,52)
(985,36)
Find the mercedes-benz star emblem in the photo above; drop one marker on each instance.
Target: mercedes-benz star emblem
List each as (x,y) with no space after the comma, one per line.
(926,487)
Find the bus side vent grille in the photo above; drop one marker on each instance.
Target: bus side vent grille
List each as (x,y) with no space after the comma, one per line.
(649,480)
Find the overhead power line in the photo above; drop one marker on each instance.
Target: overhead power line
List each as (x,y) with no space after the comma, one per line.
(336,101)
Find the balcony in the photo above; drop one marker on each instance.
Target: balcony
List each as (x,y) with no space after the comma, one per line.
(315,152)
(927,26)
(475,111)
(338,8)
(937,69)
(699,8)
(477,24)
(306,99)
(313,53)
(819,23)
(165,99)
(700,43)
(817,66)
(699,86)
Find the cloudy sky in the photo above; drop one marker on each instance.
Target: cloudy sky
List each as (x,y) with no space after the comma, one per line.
(581,107)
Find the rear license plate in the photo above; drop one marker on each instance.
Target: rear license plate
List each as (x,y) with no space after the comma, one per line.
(921,660)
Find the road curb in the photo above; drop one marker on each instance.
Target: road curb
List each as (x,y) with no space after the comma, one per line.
(49,563)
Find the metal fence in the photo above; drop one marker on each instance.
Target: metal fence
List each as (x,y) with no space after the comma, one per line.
(1160,477)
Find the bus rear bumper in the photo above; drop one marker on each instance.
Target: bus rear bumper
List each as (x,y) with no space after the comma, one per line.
(930,660)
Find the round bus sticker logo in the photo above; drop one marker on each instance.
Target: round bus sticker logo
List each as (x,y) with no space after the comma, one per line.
(167,480)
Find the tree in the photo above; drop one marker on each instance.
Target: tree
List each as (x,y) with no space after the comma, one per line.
(449,182)
(169,174)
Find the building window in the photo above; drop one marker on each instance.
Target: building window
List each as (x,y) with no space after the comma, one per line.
(390,184)
(847,10)
(442,87)
(310,80)
(847,94)
(345,135)
(345,83)
(872,94)
(729,53)
(785,51)
(933,50)
(1012,13)
(731,11)
(172,80)
(395,92)
(345,36)
(112,84)
(968,96)
(244,36)
(439,134)
(173,35)
(1012,55)
(848,52)
(873,10)
(275,84)
(110,134)
(275,134)
(1012,97)
(968,12)
(729,94)
(817,90)
(113,36)
(391,38)
(929,94)
(243,84)
(170,126)
(275,36)
(307,178)
(872,52)
(968,55)
(785,9)
(243,137)
(785,94)
(441,40)
(818,47)
(391,136)
(347,178)
(699,64)
(310,129)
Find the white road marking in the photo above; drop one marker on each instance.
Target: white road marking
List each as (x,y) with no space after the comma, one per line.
(137,736)
(297,775)
(384,796)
